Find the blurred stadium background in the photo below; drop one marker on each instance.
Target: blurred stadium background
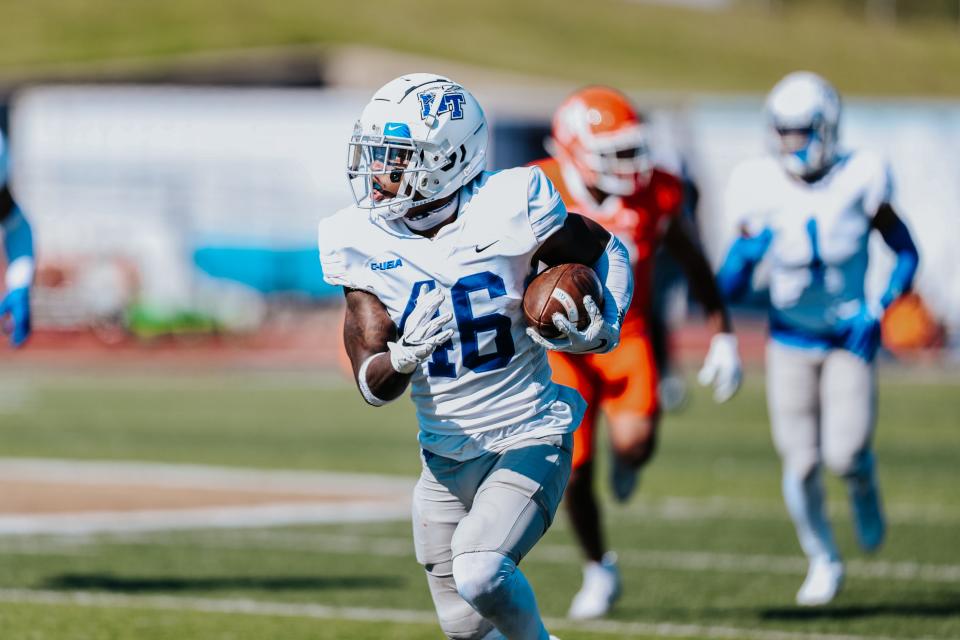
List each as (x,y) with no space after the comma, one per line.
(168,439)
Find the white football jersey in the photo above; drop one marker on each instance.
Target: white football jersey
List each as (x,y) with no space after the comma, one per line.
(818,253)
(490,385)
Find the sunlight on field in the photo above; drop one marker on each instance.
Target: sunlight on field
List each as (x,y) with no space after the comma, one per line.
(706,548)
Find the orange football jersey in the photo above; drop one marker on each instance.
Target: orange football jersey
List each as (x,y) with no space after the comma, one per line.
(638,220)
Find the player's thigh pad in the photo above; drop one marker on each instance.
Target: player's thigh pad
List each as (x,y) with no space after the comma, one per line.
(793,400)
(849,396)
(516,502)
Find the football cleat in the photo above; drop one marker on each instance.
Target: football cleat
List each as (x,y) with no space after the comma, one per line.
(601,588)
(822,584)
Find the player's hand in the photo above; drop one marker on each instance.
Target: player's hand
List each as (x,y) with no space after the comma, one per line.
(422,333)
(599,336)
(721,367)
(16,304)
(862,333)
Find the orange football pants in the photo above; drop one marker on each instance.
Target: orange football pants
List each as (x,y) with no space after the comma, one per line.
(622,381)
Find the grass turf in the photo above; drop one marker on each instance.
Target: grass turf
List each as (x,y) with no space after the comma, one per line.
(706,543)
(631,44)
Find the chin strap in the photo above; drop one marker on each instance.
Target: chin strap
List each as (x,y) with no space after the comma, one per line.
(431,219)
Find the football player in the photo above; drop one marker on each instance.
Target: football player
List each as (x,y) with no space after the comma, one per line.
(434,257)
(18,244)
(601,166)
(809,207)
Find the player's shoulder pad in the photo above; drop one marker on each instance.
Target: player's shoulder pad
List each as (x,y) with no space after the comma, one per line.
(866,165)
(339,239)
(521,203)
(871,173)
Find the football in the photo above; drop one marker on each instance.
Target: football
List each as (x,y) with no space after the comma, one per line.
(560,289)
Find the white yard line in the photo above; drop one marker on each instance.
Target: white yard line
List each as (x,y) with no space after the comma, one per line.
(396,616)
(395,547)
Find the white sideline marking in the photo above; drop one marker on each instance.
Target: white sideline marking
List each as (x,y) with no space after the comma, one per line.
(195,476)
(693,561)
(277,514)
(402,616)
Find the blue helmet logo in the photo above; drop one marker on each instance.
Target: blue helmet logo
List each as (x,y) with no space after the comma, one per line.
(451,103)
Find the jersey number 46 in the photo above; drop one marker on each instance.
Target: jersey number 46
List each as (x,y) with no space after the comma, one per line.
(469,326)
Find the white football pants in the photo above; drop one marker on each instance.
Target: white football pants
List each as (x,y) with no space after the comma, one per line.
(822,408)
(473,521)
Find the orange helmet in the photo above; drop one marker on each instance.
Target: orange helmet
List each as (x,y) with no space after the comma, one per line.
(599,132)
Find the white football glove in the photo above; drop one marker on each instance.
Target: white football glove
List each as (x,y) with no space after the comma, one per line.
(599,336)
(422,334)
(721,367)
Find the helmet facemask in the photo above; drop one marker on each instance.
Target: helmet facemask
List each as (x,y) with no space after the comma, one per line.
(804,151)
(383,171)
(617,164)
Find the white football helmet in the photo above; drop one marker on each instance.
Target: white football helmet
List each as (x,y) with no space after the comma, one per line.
(803,115)
(419,139)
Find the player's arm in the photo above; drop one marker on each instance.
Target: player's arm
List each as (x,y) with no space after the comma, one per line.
(679,241)
(583,241)
(895,233)
(580,240)
(736,270)
(382,361)
(18,245)
(721,368)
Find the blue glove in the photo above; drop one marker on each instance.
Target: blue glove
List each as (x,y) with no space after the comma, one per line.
(862,334)
(17,304)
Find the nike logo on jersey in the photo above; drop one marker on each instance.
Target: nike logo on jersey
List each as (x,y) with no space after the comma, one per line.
(480,249)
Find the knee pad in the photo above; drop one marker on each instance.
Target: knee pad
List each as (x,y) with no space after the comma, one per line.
(481,578)
(458,619)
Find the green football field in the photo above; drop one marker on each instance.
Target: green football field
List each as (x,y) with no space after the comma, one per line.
(706,548)
(640,46)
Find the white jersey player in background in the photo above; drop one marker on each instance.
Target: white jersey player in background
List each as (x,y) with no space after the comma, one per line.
(809,210)
(434,258)
(18,246)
